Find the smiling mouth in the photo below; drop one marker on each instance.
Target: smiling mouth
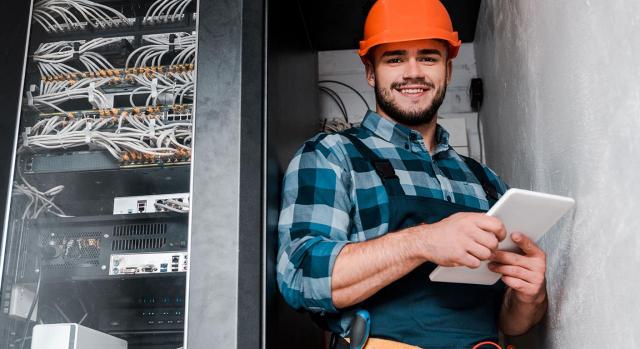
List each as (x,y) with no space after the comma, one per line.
(412,91)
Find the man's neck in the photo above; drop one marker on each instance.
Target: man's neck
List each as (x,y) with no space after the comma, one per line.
(428,131)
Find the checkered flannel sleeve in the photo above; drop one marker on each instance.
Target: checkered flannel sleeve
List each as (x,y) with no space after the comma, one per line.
(313,225)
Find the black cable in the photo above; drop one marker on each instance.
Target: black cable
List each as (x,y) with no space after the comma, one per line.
(480,137)
(349,87)
(333,92)
(336,98)
(31,310)
(333,97)
(479,133)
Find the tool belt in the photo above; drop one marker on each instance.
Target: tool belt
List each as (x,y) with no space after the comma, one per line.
(379,343)
(376,343)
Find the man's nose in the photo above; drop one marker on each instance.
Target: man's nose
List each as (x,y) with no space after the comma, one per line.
(412,70)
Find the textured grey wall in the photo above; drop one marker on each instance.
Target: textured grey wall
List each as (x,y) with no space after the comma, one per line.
(562,115)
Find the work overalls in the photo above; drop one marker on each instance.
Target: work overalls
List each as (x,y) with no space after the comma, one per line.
(414,310)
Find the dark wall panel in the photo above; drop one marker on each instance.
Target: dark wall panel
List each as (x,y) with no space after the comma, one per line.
(292,108)
(11,64)
(251,175)
(338,24)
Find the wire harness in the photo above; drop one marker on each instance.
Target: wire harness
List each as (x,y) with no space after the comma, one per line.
(171,83)
(130,138)
(164,11)
(66,15)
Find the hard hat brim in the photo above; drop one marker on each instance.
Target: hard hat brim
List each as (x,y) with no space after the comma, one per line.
(433,33)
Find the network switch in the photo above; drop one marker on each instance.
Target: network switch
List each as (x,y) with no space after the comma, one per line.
(151,204)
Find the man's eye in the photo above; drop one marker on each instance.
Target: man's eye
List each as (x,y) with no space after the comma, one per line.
(428,59)
(394,60)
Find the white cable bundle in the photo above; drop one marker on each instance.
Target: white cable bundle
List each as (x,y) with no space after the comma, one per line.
(182,86)
(163,11)
(54,93)
(141,134)
(173,205)
(39,201)
(51,57)
(160,44)
(62,15)
(180,77)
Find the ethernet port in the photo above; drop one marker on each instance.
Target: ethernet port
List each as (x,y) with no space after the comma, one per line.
(142,205)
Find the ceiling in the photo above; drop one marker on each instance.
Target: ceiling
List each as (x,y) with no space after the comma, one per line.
(338,24)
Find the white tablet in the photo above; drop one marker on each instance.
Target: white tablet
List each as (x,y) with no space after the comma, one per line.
(528,212)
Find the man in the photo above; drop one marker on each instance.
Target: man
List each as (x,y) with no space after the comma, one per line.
(368,213)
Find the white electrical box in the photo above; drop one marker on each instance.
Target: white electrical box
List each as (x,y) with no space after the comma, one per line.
(22,298)
(151,203)
(148,263)
(73,336)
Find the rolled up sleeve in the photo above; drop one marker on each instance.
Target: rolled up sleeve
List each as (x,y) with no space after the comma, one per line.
(313,225)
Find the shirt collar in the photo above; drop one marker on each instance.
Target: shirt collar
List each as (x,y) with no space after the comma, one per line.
(400,135)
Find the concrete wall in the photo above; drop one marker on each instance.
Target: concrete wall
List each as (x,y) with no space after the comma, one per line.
(561,115)
(455,113)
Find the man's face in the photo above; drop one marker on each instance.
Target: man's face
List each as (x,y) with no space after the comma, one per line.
(410,79)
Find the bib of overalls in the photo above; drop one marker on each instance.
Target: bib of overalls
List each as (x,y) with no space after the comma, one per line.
(414,310)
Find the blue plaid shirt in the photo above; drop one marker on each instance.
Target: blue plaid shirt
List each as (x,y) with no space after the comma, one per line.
(323,197)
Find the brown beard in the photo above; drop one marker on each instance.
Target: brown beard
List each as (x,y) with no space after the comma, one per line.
(410,118)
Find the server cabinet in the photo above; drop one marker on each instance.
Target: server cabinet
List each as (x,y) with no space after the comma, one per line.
(96,230)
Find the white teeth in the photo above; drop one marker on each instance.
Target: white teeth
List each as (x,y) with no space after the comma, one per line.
(412,90)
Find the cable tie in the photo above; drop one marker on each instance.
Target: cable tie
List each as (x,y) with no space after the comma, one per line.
(120,123)
(91,92)
(25,136)
(87,132)
(154,88)
(152,127)
(30,92)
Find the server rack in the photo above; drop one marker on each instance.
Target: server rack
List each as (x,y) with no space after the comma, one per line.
(225,222)
(96,226)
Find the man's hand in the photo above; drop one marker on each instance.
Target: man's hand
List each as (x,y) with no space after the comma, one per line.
(463,239)
(525,301)
(524,273)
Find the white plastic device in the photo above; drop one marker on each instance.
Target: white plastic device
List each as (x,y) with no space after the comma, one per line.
(531,213)
(73,336)
(146,203)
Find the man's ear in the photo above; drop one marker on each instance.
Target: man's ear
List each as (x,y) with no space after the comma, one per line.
(449,70)
(370,73)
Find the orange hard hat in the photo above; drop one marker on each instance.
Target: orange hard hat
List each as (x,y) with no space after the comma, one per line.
(406,20)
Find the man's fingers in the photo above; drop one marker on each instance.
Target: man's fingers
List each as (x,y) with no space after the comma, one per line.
(517,272)
(527,245)
(479,251)
(486,239)
(515,283)
(493,225)
(510,258)
(471,261)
